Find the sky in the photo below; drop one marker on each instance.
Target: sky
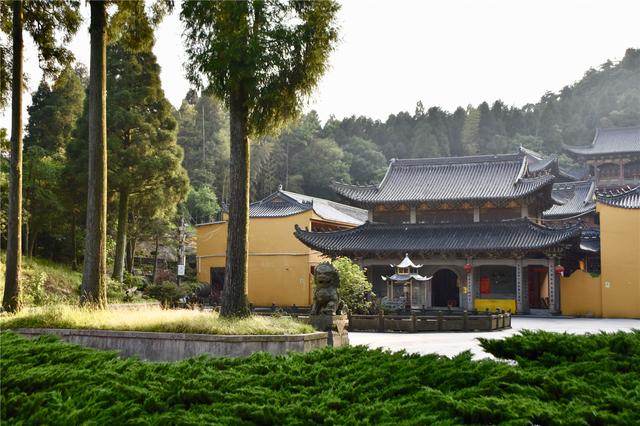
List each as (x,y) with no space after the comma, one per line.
(392,54)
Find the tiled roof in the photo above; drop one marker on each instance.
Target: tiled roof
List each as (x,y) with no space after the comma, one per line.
(573,198)
(330,210)
(617,140)
(285,203)
(275,205)
(482,177)
(626,197)
(521,235)
(590,240)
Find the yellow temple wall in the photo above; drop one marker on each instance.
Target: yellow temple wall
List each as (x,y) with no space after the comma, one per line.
(620,261)
(279,264)
(493,304)
(581,295)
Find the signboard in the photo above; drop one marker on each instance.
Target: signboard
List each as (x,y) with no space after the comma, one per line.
(485,285)
(181,270)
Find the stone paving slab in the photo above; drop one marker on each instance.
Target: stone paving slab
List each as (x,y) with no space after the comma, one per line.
(451,344)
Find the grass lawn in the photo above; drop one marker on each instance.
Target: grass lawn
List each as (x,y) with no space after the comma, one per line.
(149,319)
(556,379)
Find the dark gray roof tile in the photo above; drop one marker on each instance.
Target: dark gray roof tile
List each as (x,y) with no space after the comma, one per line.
(573,198)
(482,177)
(617,140)
(372,238)
(626,197)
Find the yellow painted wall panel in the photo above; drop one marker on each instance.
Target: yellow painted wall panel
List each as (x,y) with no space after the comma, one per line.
(493,304)
(279,264)
(620,261)
(581,295)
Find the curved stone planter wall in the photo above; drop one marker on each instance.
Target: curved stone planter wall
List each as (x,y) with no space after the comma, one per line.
(176,346)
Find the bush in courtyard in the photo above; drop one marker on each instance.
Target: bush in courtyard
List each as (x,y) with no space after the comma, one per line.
(134,281)
(355,289)
(34,289)
(167,293)
(45,381)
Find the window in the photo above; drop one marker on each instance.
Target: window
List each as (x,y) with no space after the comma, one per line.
(632,170)
(609,171)
(499,214)
(445,216)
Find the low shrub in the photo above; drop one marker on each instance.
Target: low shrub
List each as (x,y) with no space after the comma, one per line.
(355,289)
(47,381)
(167,293)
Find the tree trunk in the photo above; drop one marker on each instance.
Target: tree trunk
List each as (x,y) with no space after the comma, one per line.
(131,251)
(121,237)
(234,295)
(32,243)
(94,283)
(155,260)
(74,248)
(11,299)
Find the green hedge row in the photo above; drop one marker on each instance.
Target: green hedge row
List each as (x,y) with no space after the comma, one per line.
(559,379)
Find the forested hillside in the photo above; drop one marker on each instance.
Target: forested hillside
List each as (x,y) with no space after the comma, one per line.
(307,155)
(148,188)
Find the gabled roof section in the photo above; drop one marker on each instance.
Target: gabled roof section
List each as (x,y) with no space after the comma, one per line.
(370,238)
(277,204)
(573,198)
(330,210)
(626,197)
(285,203)
(616,140)
(473,178)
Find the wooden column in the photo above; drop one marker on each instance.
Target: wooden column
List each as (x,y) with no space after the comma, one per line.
(621,171)
(412,214)
(476,214)
(470,290)
(519,287)
(554,296)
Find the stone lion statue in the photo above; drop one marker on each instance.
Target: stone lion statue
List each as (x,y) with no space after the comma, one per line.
(326,299)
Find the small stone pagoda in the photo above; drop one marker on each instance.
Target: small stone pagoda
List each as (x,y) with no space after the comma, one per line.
(406,287)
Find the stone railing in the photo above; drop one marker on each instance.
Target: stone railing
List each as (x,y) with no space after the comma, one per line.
(426,323)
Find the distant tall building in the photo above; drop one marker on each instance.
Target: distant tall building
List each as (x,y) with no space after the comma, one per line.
(613,157)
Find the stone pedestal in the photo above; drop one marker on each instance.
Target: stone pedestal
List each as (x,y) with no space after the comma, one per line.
(336,327)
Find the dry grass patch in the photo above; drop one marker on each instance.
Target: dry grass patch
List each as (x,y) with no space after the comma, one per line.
(150,319)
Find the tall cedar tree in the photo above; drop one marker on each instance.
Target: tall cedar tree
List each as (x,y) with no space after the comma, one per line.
(261,58)
(133,26)
(142,149)
(45,21)
(52,118)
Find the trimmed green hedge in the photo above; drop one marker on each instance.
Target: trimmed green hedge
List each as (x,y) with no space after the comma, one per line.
(597,382)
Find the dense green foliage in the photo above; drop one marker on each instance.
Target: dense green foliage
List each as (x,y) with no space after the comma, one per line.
(50,382)
(355,289)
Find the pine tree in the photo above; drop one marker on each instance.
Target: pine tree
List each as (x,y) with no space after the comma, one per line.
(261,58)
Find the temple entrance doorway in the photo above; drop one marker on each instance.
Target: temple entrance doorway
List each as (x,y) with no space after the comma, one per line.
(444,290)
(538,282)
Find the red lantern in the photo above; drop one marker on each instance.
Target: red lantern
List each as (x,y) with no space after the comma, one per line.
(468,268)
(560,270)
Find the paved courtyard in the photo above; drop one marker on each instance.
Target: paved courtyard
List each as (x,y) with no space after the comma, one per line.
(451,344)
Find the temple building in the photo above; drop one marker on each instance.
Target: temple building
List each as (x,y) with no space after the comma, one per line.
(473,223)
(613,157)
(280,267)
